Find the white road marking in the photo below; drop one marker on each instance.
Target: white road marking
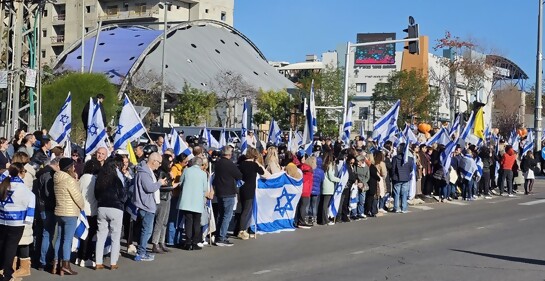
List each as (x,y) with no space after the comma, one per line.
(262,272)
(357,253)
(532,202)
(481,227)
(456,203)
(424,208)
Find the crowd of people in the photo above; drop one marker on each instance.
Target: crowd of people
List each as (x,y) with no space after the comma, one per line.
(162,198)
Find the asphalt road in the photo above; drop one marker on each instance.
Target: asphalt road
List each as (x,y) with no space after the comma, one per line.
(497,239)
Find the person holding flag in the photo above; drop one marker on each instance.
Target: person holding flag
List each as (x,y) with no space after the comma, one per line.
(402,165)
(328,186)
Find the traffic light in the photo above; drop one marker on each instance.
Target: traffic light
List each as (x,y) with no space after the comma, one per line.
(412,33)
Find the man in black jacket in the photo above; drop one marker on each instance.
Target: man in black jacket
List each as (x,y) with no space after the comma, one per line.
(85,113)
(401,176)
(225,177)
(41,156)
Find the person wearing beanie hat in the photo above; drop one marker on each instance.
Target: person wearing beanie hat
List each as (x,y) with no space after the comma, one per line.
(65,164)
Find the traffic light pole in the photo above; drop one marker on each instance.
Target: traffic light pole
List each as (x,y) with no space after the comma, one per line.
(349,47)
(538,93)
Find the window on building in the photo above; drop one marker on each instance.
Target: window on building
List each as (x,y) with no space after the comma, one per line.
(88,9)
(223,16)
(44,33)
(361,87)
(45,13)
(86,29)
(364,113)
(43,54)
(140,8)
(206,11)
(112,10)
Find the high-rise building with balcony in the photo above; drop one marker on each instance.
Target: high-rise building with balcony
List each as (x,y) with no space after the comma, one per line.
(62,21)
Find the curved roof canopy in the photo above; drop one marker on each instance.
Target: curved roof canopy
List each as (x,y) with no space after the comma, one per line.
(196,52)
(511,71)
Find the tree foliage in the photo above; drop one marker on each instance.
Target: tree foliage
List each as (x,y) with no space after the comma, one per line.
(230,89)
(411,87)
(274,104)
(329,91)
(194,107)
(82,86)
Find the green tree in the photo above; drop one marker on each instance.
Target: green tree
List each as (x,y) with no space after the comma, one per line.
(411,87)
(82,86)
(274,104)
(194,107)
(329,91)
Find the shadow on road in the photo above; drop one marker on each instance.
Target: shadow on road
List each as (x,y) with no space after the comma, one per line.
(507,258)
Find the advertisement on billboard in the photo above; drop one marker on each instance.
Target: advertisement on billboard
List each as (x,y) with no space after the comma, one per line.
(376,54)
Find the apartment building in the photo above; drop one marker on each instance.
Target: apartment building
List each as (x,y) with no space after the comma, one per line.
(62,21)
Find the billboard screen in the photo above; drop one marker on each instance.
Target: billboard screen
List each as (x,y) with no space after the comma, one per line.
(377,54)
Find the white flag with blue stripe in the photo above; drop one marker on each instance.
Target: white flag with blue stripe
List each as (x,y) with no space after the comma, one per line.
(276,201)
(335,201)
(209,139)
(529,144)
(178,144)
(243,141)
(82,230)
(62,126)
(312,107)
(96,133)
(467,132)
(409,135)
(275,134)
(308,133)
(455,128)
(166,144)
(385,126)
(130,126)
(446,156)
(441,137)
(347,127)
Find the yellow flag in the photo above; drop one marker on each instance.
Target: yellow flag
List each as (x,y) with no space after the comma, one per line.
(478,129)
(132,156)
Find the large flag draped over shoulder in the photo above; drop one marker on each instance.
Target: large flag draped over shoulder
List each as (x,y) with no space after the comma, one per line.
(386,124)
(276,201)
(96,133)
(130,126)
(62,126)
(336,198)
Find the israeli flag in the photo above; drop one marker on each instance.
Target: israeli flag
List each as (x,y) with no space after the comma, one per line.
(412,182)
(308,133)
(336,198)
(347,128)
(479,163)
(178,145)
(466,133)
(529,145)
(276,200)
(223,140)
(441,137)
(383,128)
(62,126)
(455,128)
(488,132)
(166,144)
(82,230)
(130,126)
(312,107)
(409,135)
(96,133)
(209,139)
(446,156)
(244,142)
(275,134)
(353,204)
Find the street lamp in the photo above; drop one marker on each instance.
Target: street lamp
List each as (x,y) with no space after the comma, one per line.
(163,5)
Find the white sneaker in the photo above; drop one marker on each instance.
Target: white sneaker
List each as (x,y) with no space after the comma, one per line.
(330,223)
(201,244)
(488,197)
(131,250)
(511,195)
(81,263)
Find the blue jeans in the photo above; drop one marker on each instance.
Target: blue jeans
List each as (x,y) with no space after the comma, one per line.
(145,233)
(174,233)
(401,190)
(445,191)
(65,233)
(467,189)
(226,205)
(361,204)
(49,221)
(313,208)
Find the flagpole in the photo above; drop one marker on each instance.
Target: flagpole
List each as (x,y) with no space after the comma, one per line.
(212,212)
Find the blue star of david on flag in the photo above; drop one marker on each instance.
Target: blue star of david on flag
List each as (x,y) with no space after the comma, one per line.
(65,119)
(8,200)
(119,127)
(93,129)
(287,206)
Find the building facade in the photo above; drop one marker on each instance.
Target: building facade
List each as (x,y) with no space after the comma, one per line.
(62,21)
